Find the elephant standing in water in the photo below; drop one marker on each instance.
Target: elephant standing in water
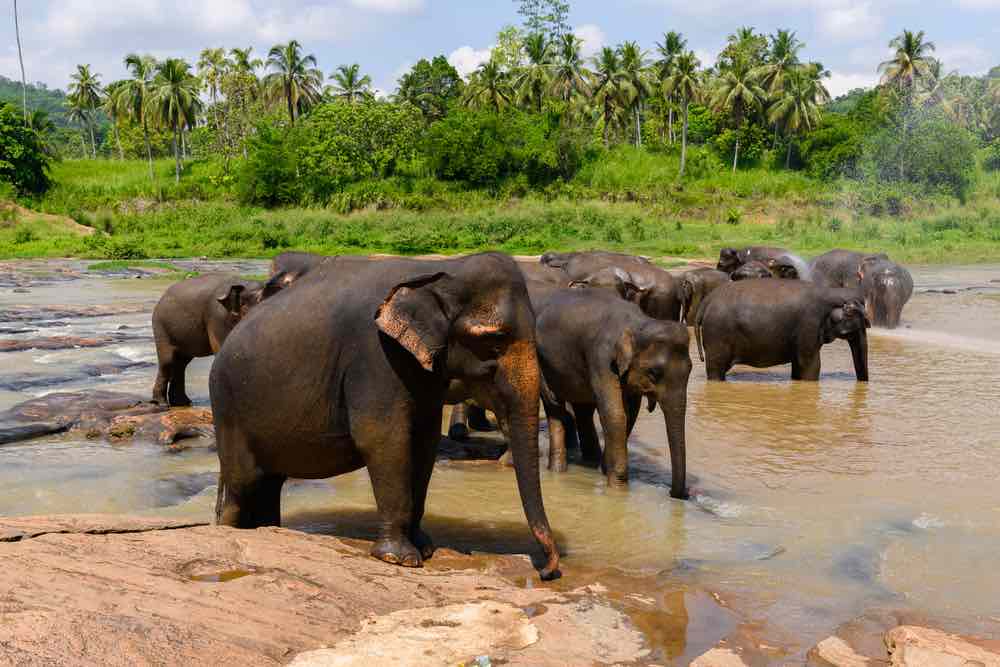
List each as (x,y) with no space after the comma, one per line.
(350,369)
(599,352)
(653,289)
(770,322)
(778,262)
(193,319)
(695,286)
(887,286)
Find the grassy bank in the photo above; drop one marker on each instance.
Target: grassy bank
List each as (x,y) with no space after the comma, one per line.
(631,202)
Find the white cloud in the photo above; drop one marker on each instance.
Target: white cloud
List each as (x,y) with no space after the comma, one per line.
(466,59)
(967,58)
(593,39)
(313,22)
(978,4)
(390,6)
(850,20)
(840,83)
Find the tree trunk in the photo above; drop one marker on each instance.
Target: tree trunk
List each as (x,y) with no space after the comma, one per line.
(684,138)
(93,143)
(671,121)
(149,149)
(20,59)
(607,122)
(184,147)
(177,157)
(788,156)
(736,154)
(118,140)
(638,128)
(291,107)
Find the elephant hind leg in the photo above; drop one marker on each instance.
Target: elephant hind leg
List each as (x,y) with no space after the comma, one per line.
(806,367)
(457,424)
(590,446)
(176,391)
(425,449)
(716,367)
(164,373)
(560,430)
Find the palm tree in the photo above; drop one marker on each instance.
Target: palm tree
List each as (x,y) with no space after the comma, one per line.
(489,87)
(20,59)
(684,83)
(350,85)
(535,78)
(247,87)
(212,66)
(796,109)
(634,64)
(569,77)
(85,94)
(110,106)
(908,67)
(736,93)
(134,97)
(294,78)
(673,45)
(243,60)
(781,61)
(77,113)
(42,124)
(611,87)
(174,99)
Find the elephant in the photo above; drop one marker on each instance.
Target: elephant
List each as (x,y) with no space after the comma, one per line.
(731,259)
(887,287)
(653,289)
(695,286)
(600,352)
(770,322)
(839,268)
(752,270)
(350,369)
(295,265)
(193,319)
(542,273)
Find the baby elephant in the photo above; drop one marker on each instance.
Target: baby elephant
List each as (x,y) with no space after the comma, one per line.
(192,320)
(600,352)
(770,322)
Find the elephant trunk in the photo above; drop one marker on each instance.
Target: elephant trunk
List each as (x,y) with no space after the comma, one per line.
(674,406)
(859,351)
(891,309)
(518,379)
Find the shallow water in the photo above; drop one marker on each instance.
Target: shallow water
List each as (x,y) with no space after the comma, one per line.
(811,503)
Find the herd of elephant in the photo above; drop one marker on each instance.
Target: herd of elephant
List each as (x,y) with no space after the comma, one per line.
(339,363)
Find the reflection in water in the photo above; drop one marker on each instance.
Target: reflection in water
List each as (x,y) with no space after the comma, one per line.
(811,502)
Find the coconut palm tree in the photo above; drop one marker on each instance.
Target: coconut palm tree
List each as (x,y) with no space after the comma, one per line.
(350,85)
(796,108)
(611,88)
(85,94)
(133,97)
(782,60)
(20,59)
(294,78)
(489,87)
(212,66)
(533,80)
(635,65)
(910,64)
(570,74)
(77,113)
(174,100)
(110,106)
(736,93)
(243,60)
(684,84)
(673,45)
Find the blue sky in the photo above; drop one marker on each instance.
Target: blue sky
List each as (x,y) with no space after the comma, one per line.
(387,36)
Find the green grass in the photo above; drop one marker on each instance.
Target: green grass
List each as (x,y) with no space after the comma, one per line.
(121,265)
(630,200)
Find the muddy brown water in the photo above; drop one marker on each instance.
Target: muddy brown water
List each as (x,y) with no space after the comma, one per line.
(812,504)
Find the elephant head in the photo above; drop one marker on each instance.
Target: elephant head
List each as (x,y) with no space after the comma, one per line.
(887,287)
(479,305)
(729,260)
(782,268)
(241,297)
(847,320)
(752,271)
(654,361)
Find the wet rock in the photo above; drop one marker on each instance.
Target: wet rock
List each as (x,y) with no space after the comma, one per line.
(912,646)
(836,652)
(147,591)
(110,415)
(35,313)
(719,657)
(67,342)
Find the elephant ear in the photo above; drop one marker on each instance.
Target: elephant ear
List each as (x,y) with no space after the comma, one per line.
(629,287)
(232,300)
(414,317)
(857,309)
(624,353)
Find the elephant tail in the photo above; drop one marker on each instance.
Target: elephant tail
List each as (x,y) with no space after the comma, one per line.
(697,337)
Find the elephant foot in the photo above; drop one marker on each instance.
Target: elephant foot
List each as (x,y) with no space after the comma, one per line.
(397,551)
(180,402)
(558,466)
(478,421)
(423,542)
(458,432)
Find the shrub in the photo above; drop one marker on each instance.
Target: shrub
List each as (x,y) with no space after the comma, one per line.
(24,235)
(268,176)
(753,143)
(991,156)
(834,148)
(23,160)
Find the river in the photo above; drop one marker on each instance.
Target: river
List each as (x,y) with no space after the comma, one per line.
(813,504)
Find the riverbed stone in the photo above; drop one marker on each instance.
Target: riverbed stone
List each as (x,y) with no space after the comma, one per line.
(913,646)
(838,653)
(81,589)
(719,657)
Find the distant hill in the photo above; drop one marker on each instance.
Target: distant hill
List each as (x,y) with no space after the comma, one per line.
(39,97)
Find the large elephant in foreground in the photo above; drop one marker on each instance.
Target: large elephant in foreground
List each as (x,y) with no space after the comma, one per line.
(350,368)
(770,322)
(599,352)
(653,289)
(193,319)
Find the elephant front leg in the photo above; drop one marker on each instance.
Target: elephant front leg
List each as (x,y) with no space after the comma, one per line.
(806,366)
(390,457)
(614,424)
(457,426)
(558,418)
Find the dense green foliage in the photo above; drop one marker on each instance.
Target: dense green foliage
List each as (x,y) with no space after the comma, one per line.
(23,161)
(39,98)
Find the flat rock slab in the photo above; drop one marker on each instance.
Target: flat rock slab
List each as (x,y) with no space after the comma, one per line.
(912,646)
(83,590)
